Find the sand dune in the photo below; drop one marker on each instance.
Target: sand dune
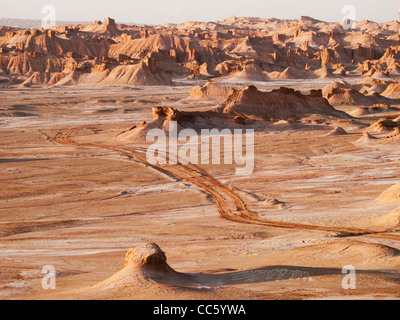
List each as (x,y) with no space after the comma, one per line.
(390,195)
(388,221)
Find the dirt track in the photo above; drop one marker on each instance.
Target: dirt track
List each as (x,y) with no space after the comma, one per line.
(229,204)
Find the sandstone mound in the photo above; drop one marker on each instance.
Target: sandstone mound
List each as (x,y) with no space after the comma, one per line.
(140,133)
(44,78)
(377,108)
(370,81)
(371,84)
(389,221)
(380,75)
(180,120)
(341,93)
(71,79)
(339,84)
(338,131)
(210,91)
(282,104)
(359,112)
(137,75)
(392,91)
(376,89)
(366,139)
(251,72)
(385,125)
(290,74)
(390,195)
(145,267)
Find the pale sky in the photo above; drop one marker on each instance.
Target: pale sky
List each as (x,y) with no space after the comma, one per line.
(177,11)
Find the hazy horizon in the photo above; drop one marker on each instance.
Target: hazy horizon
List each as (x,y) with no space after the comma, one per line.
(178,11)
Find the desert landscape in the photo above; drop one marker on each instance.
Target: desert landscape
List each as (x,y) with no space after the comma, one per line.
(77,103)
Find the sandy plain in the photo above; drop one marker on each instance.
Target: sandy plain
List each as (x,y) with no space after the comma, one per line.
(80,207)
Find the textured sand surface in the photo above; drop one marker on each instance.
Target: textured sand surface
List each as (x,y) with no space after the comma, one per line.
(76,197)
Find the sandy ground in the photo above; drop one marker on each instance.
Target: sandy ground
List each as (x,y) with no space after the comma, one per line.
(80,208)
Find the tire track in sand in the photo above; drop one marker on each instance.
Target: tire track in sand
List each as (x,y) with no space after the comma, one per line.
(229,204)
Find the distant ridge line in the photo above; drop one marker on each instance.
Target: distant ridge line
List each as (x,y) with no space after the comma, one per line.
(36,24)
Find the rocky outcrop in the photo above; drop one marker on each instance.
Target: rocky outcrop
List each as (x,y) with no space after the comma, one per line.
(239,49)
(144,267)
(341,93)
(210,91)
(281,104)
